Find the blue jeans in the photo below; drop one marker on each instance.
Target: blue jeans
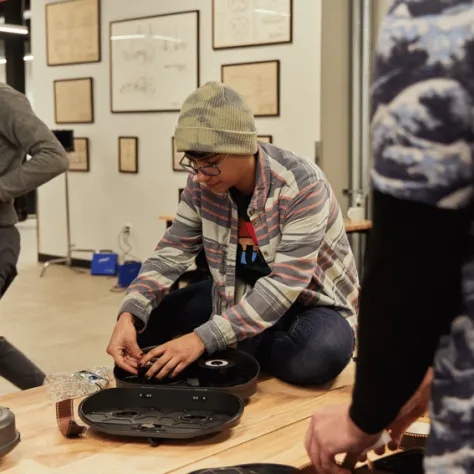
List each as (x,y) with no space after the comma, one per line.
(308,346)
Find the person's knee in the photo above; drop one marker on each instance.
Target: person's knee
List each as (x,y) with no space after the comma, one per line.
(317,364)
(309,373)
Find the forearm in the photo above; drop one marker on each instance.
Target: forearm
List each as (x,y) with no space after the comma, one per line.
(156,276)
(303,227)
(174,254)
(49,161)
(261,308)
(29,136)
(410,294)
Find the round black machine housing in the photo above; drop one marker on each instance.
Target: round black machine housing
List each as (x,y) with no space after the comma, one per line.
(229,371)
(161,412)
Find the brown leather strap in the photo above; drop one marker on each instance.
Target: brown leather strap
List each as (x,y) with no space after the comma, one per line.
(65,418)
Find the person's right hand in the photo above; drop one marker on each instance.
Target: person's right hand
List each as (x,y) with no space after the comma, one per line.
(416,407)
(123,345)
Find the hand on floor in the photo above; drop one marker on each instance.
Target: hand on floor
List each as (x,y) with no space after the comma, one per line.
(173,356)
(332,432)
(123,345)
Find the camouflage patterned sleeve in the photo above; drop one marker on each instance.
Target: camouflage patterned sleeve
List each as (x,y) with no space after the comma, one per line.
(422,142)
(422,103)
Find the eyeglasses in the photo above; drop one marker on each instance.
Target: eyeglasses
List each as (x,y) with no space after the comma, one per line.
(187,163)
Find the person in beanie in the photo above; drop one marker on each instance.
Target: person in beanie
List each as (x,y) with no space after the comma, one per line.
(284,283)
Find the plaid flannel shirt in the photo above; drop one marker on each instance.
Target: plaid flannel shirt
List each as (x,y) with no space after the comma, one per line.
(301,234)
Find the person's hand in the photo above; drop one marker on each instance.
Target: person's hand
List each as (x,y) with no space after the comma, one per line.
(123,345)
(332,432)
(415,408)
(173,356)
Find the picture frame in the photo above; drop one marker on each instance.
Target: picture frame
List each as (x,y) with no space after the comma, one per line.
(74,100)
(259,84)
(128,154)
(176,157)
(79,158)
(265,138)
(147,75)
(73,32)
(249,23)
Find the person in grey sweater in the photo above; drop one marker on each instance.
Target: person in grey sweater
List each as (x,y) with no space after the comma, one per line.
(22,133)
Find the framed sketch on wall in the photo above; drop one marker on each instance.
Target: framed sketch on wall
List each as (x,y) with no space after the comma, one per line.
(258,82)
(79,158)
(239,23)
(154,62)
(177,156)
(73,100)
(72,32)
(128,154)
(265,138)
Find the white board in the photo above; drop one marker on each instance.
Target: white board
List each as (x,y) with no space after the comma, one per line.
(154,62)
(238,23)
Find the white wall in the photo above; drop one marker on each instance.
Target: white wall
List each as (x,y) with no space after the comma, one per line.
(103,200)
(28,78)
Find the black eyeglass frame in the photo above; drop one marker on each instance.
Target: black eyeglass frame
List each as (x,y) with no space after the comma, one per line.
(191,169)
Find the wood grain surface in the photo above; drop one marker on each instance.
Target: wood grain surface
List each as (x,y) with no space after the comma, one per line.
(277,408)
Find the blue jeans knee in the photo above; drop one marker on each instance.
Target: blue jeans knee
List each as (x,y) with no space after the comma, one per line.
(314,350)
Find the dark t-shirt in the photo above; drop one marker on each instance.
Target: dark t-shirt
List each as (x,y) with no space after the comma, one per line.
(250,265)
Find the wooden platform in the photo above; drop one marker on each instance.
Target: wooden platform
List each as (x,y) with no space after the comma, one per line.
(272,429)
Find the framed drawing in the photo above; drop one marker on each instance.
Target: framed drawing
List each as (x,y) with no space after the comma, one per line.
(154,62)
(79,158)
(258,82)
(177,155)
(240,23)
(73,100)
(128,154)
(265,138)
(73,32)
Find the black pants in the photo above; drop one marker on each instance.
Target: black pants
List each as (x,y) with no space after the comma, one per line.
(309,345)
(14,365)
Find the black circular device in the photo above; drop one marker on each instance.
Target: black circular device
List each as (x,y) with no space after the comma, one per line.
(9,436)
(154,413)
(231,371)
(216,364)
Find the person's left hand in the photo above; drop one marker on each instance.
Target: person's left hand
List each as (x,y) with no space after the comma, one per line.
(332,432)
(173,356)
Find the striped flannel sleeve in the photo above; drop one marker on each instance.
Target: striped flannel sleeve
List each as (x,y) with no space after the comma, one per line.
(303,230)
(173,255)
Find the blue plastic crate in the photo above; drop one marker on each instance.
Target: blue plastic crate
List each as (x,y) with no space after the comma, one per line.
(104,263)
(128,272)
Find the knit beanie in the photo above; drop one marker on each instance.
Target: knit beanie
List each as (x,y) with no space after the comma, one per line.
(216,119)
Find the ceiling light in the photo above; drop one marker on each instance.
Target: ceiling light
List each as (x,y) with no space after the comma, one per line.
(28,57)
(13,29)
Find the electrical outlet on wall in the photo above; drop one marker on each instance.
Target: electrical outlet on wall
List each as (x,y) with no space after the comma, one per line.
(127,228)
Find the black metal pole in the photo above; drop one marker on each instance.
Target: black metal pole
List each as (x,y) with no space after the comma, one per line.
(15,46)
